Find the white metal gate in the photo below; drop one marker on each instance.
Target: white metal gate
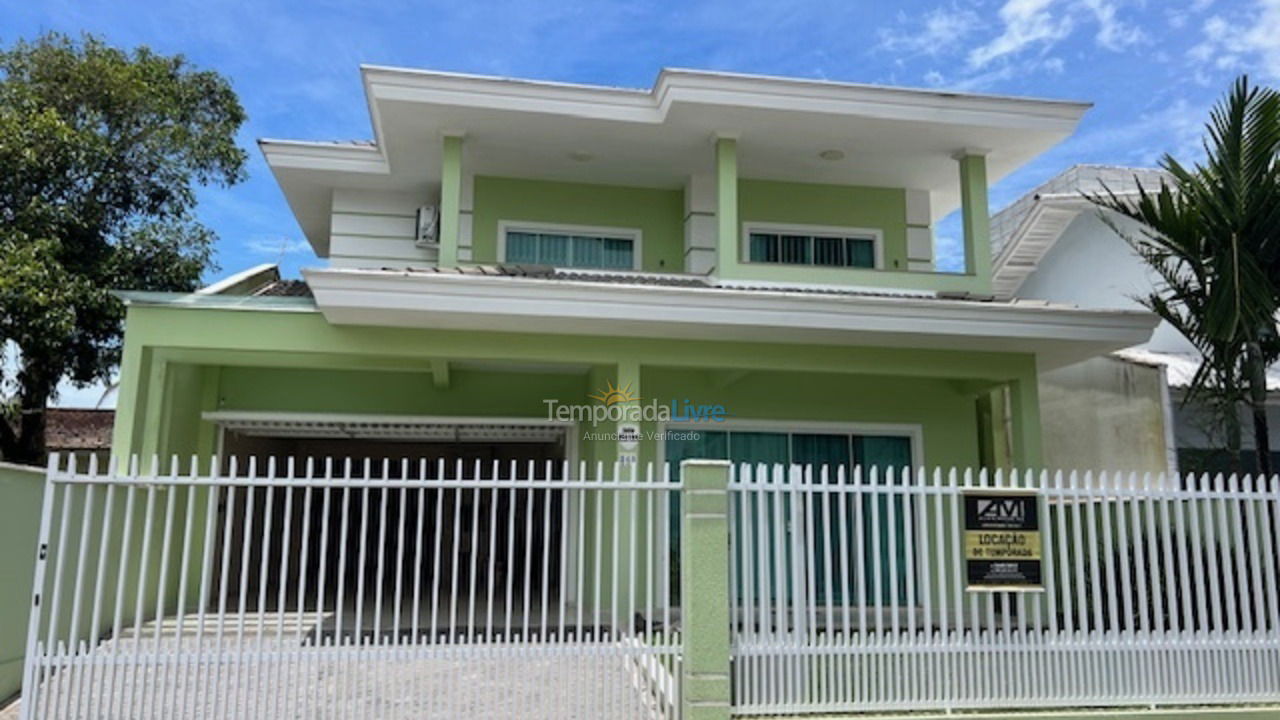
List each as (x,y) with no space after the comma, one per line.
(350,589)
(1158,590)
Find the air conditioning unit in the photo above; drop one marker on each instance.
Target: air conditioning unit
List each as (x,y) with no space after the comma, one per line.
(427,227)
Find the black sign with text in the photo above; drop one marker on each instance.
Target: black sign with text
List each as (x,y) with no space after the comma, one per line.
(1002,547)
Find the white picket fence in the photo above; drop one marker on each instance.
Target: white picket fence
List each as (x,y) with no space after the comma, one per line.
(849,593)
(327,588)
(353,589)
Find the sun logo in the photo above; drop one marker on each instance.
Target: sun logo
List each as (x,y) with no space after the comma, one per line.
(613,395)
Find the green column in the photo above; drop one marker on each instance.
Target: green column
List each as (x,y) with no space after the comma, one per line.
(726,206)
(975,217)
(704,591)
(131,395)
(1024,405)
(450,200)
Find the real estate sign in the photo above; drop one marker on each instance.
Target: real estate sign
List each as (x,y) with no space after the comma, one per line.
(1002,546)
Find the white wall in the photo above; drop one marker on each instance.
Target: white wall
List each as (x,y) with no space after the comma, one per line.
(373,229)
(1104,414)
(1093,267)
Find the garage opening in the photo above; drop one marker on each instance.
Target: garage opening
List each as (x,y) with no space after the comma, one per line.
(377,562)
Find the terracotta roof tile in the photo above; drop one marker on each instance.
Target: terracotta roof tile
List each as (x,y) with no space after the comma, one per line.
(78,429)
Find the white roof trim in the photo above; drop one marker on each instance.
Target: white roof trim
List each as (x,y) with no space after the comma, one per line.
(257,275)
(1024,232)
(512,304)
(651,106)
(716,88)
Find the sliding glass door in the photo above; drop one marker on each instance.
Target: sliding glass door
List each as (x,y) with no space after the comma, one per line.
(780,530)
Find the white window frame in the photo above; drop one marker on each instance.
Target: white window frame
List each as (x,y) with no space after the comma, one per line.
(913,431)
(635,235)
(876,235)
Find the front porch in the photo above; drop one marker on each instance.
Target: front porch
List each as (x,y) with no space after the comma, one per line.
(189,378)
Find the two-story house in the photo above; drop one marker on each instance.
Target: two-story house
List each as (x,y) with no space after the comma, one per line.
(503,250)
(722,266)
(528,292)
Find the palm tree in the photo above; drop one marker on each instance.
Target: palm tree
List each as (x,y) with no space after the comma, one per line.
(1211,233)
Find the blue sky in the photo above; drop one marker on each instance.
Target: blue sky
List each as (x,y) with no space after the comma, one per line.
(1153,68)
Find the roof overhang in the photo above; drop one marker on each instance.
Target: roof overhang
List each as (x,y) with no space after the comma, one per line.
(1046,220)
(1056,335)
(890,137)
(1024,232)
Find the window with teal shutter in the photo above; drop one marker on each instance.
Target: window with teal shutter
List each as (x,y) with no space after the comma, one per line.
(812,249)
(570,250)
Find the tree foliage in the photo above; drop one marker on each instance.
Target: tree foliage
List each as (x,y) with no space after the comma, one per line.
(1212,236)
(101,153)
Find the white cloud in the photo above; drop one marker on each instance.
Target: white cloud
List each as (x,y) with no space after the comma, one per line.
(1022,27)
(277,246)
(1026,23)
(1113,33)
(943,29)
(1242,42)
(1175,128)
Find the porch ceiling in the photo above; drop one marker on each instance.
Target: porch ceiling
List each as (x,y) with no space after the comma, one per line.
(1056,335)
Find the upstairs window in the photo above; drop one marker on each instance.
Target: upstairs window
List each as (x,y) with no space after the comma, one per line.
(572,247)
(825,247)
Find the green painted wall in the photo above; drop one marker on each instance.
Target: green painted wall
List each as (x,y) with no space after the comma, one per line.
(884,209)
(659,214)
(309,343)
(21,495)
(470,392)
(946,415)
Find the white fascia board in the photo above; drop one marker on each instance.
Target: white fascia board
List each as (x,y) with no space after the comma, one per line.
(523,305)
(499,93)
(257,275)
(724,89)
(335,157)
(871,101)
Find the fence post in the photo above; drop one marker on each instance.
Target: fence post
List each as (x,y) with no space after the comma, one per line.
(704,589)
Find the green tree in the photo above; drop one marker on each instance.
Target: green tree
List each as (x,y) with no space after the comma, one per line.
(1212,235)
(101,153)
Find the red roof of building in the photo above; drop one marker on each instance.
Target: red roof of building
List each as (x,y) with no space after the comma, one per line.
(78,429)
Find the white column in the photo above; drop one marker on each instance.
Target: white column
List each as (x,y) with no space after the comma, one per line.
(700,223)
(920,251)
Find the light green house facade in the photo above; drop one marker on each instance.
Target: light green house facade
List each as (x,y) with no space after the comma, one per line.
(529,281)
(758,245)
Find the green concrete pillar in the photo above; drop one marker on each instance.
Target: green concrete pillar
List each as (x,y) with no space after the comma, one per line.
(704,589)
(450,200)
(727,253)
(1024,407)
(975,216)
(131,398)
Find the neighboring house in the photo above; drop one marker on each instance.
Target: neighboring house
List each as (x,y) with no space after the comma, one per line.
(1054,245)
(84,431)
